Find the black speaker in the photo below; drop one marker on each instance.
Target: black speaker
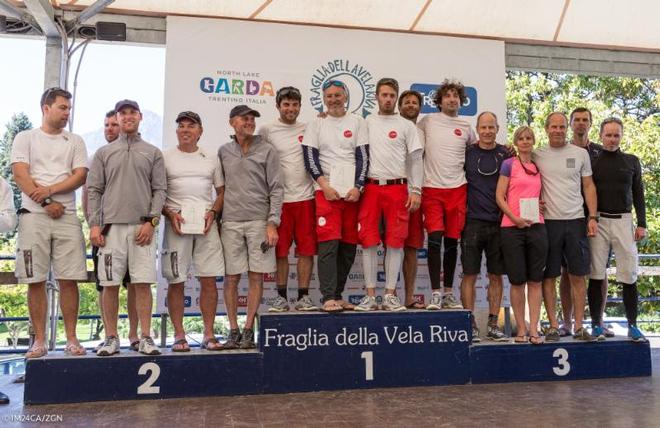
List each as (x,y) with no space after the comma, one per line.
(111,31)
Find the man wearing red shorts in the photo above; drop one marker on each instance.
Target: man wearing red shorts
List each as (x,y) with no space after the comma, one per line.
(298,220)
(336,156)
(410,103)
(392,141)
(444,191)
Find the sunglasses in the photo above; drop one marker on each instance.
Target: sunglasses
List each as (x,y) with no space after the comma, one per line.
(336,83)
(289,90)
(528,171)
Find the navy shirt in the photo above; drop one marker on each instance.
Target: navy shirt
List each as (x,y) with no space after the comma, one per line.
(482,170)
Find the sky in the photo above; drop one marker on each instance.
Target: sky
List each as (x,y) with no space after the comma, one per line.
(109,72)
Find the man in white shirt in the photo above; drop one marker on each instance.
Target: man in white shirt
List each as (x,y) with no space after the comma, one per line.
(393,141)
(337,157)
(444,191)
(49,164)
(298,221)
(193,174)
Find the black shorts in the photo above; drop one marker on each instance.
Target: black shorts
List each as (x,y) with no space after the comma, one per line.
(567,240)
(481,236)
(95,261)
(525,252)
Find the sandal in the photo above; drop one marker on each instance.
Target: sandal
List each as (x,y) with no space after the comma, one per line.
(180,345)
(332,306)
(520,339)
(75,350)
(415,305)
(345,305)
(134,346)
(36,351)
(211,344)
(536,340)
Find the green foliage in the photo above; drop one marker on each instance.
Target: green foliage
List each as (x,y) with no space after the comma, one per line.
(19,122)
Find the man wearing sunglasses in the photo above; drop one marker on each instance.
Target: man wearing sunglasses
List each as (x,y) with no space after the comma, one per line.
(393,141)
(49,164)
(298,219)
(337,157)
(250,218)
(482,227)
(445,188)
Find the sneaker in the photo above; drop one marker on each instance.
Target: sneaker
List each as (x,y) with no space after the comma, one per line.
(110,347)
(436,301)
(494,333)
(305,304)
(233,339)
(99,346)
(552,335)
(449,302)
(635,334)
(247,339)
(148,347)
(367,304)
(599,333)
(279,305)
(583,334)
(475,335)
(608,332)
(392,303)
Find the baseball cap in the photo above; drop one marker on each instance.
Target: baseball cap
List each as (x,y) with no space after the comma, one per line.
(127,103)
(190,115)
(242,110)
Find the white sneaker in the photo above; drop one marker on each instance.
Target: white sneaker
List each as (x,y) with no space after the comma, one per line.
(109,347)
(449,302)
(148,347)
(436,301)
(367,304)
(279,305)
(305,304)
(392,303)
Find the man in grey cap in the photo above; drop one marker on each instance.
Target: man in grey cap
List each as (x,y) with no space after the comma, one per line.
(127,188)
(251,215)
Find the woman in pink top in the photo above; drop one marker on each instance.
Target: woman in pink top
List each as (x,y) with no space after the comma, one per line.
(524,239)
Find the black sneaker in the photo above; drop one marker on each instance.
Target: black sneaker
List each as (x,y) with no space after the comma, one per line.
(552,335)
(233,340)
(247,341)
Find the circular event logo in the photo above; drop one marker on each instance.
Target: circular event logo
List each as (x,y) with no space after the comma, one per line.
(458,132)
(359,82)
(392,134)
(348,133)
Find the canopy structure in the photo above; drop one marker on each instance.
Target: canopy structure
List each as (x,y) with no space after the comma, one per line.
(581,36)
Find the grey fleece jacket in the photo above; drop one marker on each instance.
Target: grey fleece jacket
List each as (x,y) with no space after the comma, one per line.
(126,181)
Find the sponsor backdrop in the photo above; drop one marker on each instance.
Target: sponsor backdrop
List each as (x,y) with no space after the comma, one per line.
(213,65)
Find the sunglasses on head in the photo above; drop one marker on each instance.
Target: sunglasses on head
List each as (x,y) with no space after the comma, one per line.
(336,83)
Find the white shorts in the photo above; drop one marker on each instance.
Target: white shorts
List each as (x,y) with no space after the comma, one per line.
(121,253)
(203,252)
(43,242)
(241,242)
(618,234)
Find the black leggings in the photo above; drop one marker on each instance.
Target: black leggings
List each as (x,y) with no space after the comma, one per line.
(435,260)
(595,299)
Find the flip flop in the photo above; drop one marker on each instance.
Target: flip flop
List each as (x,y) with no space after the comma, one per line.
(536,340)
(332,307)
(180,345)
(36,351)
(520,339)
(134,346)
(345,305)
(216,346)
(75,350)
(416,305)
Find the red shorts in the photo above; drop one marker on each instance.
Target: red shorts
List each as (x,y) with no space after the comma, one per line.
(444,210)
(336,219)
(415,237)
(387,203)
(297,224)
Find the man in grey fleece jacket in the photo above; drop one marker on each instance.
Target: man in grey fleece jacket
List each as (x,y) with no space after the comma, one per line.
(127,189)
(250,217)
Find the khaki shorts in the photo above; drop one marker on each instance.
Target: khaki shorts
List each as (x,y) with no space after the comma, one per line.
(44,242)
(241,242)
(121,253)
(203,252)
(618,234)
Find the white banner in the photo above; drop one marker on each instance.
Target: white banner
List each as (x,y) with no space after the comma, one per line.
(213,65)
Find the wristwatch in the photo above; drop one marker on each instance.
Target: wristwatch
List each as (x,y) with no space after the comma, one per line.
(215,213)
(154,221)
(594,217)
(47,201)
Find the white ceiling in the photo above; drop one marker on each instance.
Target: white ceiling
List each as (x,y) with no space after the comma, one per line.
(618,24)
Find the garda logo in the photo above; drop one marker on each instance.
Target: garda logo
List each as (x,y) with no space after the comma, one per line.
(428,91)
(355,299)
(360,85)
(237,86)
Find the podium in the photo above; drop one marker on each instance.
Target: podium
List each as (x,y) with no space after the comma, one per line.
(317,351)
